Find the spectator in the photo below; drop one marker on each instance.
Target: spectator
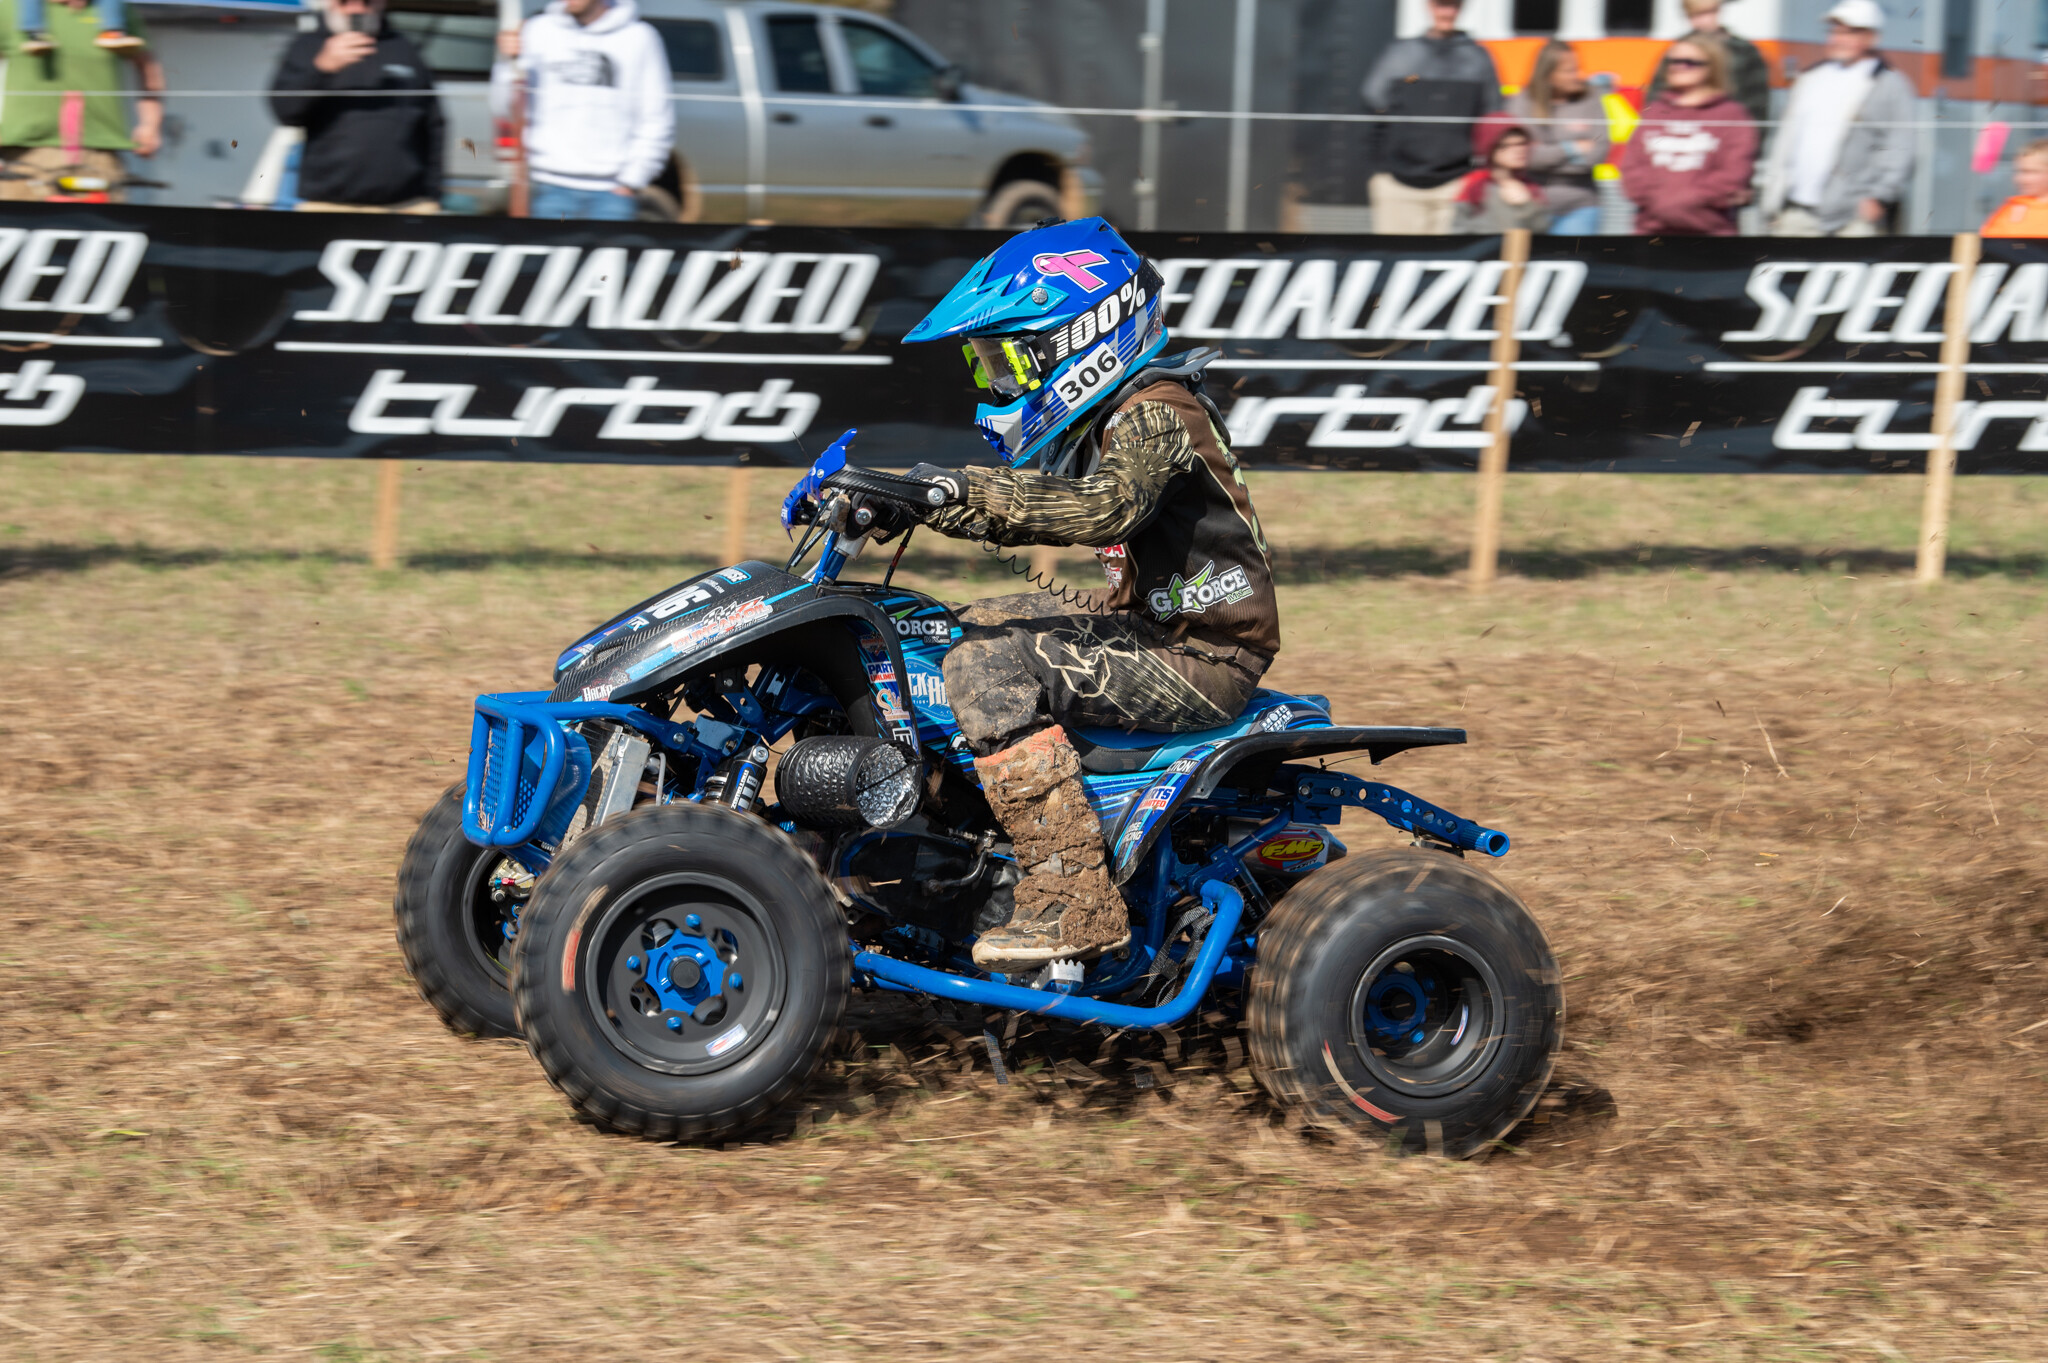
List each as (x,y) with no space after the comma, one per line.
(35,28)
(47,131)
(2025,214)
(1688,166)
(1500,195)
(1568,132)
(1843,153)
(598,126)
(1442,76)
(365,152)
(1749,75)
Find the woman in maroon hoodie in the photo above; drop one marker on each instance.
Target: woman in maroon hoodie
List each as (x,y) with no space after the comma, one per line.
(1688,166)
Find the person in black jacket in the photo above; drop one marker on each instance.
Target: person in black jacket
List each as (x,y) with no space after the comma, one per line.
(1448,83)
(365,152)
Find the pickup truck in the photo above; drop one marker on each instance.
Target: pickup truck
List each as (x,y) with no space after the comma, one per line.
(795,114)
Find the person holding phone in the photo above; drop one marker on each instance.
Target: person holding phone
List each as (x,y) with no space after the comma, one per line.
(374,128)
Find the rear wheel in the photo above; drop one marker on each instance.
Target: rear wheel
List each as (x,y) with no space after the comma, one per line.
(680,972)
(458,911)
(1410,994)
(1020,204)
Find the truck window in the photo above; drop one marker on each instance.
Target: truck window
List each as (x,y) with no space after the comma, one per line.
(886,65)
(694,52)
(799,55)
(456,46)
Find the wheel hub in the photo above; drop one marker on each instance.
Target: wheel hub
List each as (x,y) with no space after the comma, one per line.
(684,972)
(1427,1015)
(684,986)
(1397,1007)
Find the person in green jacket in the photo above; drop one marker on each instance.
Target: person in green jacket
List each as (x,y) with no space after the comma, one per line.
(49,130)
(1749,75)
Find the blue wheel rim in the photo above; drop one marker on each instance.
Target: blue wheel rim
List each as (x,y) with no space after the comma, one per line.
(1427,1016)
(684,974)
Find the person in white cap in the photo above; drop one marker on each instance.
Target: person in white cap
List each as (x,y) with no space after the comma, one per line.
(1843,155)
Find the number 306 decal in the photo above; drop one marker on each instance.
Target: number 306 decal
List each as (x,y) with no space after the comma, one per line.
(1099,368)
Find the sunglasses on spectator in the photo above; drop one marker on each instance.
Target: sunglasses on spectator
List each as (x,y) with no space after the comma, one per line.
(1689,62)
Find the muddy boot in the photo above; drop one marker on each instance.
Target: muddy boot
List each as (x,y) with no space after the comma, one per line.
(1066,906)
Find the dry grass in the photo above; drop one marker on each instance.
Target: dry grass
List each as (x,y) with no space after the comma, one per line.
(1800,1115)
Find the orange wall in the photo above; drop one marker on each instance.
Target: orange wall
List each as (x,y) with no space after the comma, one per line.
(1634,60)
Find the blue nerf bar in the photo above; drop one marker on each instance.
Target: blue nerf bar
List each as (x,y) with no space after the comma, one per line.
(1222,899)
(510,785)
(1319,797)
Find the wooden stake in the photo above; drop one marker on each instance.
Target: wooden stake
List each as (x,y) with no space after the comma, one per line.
(736,513)
(1932,558)
(384,533)
(1493,460)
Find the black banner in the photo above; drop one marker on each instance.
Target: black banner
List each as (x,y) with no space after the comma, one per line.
(221,332)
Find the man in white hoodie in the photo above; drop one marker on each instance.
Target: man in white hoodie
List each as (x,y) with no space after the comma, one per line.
(598,124)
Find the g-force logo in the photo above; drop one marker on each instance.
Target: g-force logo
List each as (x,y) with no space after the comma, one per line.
(1196,595)
(933,627)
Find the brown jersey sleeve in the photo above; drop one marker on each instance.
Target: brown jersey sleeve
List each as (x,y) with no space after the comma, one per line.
(1145,447)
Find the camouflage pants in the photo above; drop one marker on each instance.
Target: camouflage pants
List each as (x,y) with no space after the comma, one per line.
(1027,662)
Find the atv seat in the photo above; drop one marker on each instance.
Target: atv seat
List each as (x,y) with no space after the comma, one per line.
(1108,752)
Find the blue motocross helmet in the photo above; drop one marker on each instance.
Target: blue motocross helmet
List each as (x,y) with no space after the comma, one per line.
(1054,320)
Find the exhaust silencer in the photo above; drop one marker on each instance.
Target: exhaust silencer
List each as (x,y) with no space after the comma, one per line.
(847,781)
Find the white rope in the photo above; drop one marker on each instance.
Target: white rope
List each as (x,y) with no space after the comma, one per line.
(876,102)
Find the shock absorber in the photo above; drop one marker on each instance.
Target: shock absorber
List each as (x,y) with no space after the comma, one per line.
(737,782)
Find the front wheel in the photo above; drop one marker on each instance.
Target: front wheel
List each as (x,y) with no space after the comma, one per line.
(680,972)
(1410,994)
(457,910)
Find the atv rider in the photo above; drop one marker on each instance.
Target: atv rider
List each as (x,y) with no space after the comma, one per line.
(1062,324)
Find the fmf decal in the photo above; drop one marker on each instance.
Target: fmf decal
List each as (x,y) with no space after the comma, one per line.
(1293,849)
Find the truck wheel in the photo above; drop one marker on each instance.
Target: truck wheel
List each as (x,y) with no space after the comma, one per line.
(680,972)
(456,937)
(1021,203)
(1409,994)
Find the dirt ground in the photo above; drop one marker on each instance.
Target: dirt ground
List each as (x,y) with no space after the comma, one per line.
(1782,820)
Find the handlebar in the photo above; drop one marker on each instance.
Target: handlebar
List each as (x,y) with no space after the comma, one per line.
(908,492)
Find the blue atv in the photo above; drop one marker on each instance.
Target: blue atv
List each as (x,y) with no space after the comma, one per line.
(746,797)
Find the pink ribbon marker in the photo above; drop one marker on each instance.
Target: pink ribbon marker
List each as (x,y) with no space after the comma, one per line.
(1072,265)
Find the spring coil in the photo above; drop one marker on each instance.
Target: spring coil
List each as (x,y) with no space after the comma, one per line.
(1077,598)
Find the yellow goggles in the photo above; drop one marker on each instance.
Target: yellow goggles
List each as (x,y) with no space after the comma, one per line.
(1004,365)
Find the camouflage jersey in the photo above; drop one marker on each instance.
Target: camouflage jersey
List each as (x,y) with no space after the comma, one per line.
(1167,513)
